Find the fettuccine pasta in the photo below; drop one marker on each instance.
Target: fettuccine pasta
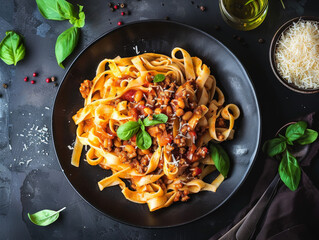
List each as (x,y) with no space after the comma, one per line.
(165,161)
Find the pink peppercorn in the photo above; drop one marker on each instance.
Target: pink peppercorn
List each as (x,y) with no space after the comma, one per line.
(122,13)
(32,82)
(35,74)
(48,80)
(116,7)
(119,23)
(26,79)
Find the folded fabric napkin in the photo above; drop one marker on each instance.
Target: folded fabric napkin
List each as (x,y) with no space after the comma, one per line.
(290,215)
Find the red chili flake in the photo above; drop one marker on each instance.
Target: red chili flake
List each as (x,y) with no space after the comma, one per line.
(32,82)
(116,7)
(48,80)
(26,79)
(122,13)
(205,149)
(119,23)
(197,171)
(35,74)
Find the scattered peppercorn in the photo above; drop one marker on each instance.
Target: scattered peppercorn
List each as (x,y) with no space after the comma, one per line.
(112,9)
(5,85)
(234,36)
(35,74)
(119,23)
(48,80)
(53,79)
(217,27)
(162,4)
(116,7)
(55,84)
(122,5)
(110,4)
(261,40)
(127,13)
(122,13)
(166,18)
(32,82)
(192,2)
(26,79)
(202,8)
(238,38)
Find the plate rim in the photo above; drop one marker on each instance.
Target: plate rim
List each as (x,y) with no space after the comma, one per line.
(250,82)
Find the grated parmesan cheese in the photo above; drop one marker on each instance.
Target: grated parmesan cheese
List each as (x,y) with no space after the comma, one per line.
(297,54)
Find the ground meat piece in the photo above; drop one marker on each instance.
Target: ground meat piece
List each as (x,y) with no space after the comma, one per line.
(85,88)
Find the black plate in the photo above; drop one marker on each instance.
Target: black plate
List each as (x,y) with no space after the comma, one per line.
(160,37)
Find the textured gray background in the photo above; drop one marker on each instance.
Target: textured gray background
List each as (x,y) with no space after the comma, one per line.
(29,186)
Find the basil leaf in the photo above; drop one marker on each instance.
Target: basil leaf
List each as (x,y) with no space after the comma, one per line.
(157,119)
(128,130)
(289,171)
(44,217)
(296,130)
(220,158)
(143,140)
(159,78)
(65,44)
(309,137)
(78,21)
(56,9)
(12,48)
(274,146)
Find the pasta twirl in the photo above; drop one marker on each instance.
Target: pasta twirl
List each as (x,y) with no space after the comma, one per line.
(151,85)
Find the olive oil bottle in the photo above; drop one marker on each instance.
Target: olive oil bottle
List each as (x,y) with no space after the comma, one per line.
(244,14)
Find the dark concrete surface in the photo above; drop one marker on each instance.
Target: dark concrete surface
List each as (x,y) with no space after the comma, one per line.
(30,177)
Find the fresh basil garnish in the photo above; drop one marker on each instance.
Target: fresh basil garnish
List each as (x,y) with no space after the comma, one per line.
(12,48)
(274,146)
(44,217)
(65,44)
(128,130)
(220,158)
(63,10)
(157,119)
(143,140)
(295,131)
(289,171)
(56,9)
(159,78)
(309,137)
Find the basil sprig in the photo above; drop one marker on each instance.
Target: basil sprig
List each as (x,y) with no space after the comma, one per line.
(220,158)
(66,43)
(63,10)
(45,217)
(159,78)
(289,169)
(12,48)
(143,139)
(157,119)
